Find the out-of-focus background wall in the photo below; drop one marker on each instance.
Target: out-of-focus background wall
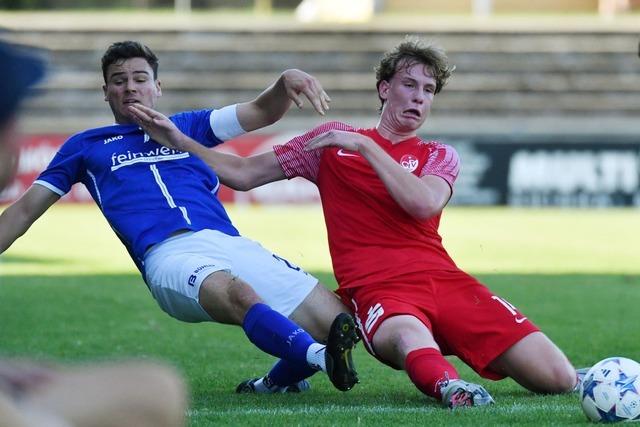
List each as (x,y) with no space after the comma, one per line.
(543,107)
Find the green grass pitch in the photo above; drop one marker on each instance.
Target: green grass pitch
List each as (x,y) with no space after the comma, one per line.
(69,293)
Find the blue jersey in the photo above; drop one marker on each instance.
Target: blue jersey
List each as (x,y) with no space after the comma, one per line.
(145,191)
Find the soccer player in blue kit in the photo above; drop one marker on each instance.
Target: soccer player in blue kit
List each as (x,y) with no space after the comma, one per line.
(162,204)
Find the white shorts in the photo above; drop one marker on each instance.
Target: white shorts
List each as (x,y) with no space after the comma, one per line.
(176,268)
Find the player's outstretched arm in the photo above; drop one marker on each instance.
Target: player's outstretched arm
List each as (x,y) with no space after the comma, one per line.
(421,198)
(239,173)
(18,217)
(292,86)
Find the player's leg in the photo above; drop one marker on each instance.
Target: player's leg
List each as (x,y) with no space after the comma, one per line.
(127,394)
(537,364)
(229,299)
(283,377)
(406,342)
(291,291)
(315,314)
(398,333)
(317,311)
(208,275)
(496,339)
(398,336)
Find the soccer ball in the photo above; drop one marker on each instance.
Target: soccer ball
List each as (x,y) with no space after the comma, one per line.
(610,391)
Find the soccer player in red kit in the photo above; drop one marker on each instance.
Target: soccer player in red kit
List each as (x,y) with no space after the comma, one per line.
(383,191)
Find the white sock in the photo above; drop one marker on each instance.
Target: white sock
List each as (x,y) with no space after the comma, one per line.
(315,357)
(261,387)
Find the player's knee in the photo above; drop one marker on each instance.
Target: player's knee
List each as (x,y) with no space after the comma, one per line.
(227,298)
(561,378)
(566,378)
(398,336)
(242,296)
(317,311)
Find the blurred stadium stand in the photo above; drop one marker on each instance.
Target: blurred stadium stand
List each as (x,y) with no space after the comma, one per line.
(543,110)
(567,80)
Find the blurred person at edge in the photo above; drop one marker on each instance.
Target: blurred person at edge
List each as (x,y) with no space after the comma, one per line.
(33,394)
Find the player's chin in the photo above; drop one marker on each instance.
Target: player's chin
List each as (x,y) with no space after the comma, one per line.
(127,118)
(412,123)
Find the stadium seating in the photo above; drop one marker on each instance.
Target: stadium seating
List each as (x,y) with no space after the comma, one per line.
(569,80)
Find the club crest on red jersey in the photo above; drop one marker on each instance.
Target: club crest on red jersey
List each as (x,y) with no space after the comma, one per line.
(409,162)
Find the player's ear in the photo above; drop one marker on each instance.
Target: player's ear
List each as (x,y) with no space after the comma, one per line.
(383,89)
(104,90)
(159,87)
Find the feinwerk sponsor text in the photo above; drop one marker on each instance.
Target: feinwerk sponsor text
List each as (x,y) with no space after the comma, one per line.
(157,154)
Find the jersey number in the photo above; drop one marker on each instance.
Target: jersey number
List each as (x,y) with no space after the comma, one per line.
(512,309)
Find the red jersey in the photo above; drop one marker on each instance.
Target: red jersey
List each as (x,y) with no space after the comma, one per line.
(372,239)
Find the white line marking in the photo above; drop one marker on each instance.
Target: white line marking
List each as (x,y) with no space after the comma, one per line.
(423,409)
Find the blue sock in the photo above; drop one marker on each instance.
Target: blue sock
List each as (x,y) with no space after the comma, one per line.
(285,373)
(273,333)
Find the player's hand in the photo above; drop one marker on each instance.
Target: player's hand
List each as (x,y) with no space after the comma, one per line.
(299,84)
(159,127)
(351,141)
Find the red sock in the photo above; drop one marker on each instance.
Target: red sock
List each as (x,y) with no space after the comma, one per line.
(427,368)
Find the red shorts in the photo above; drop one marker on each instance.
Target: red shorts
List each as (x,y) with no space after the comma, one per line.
(465,318)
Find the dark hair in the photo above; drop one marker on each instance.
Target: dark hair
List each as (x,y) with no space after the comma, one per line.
(410,52)
(128,49)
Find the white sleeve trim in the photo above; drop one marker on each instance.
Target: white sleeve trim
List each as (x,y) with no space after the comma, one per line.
(51,187)
(224,123)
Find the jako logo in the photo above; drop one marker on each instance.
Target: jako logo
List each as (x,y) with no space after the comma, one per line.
(113,138)
(192,280)
(409,162)
(293,335)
